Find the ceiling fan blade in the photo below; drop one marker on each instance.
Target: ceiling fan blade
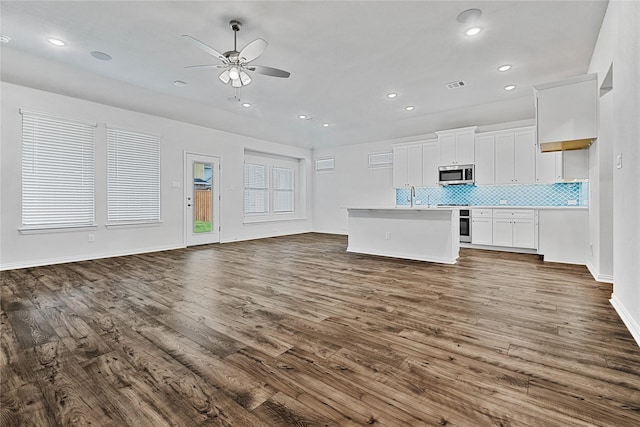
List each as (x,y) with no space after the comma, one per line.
(206,66)
(253,50)
(211,51)
(269,71)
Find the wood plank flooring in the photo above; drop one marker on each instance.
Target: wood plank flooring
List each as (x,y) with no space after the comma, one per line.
(294,331)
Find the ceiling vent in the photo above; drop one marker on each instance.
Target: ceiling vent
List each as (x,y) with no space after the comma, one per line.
(456,84)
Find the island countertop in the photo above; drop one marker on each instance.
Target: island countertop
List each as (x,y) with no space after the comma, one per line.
(424,233)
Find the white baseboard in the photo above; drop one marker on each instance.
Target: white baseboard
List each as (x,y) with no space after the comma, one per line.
(85,257)
(605,278)
(629,321)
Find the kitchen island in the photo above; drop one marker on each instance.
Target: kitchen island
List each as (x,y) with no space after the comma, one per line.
(418,233)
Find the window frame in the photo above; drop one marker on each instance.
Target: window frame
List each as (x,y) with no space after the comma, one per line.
(271,162)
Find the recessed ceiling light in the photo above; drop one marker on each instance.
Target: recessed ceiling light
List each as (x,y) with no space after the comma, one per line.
(246,104)
(392,95)
(302,116)
(468,16)
(179,83)
(473,31)
(325,125)
(505,67)
(101,55)
(510,87)
(57,42)
(409,108)
(5,38)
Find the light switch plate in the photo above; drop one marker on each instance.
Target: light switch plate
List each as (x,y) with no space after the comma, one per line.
(619,161)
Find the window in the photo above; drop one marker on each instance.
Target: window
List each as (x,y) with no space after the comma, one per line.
(57,171)
(133,177)
(256,189)
(283,190)
(271,184)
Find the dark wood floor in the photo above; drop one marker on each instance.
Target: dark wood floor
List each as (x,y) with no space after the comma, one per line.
(293,331)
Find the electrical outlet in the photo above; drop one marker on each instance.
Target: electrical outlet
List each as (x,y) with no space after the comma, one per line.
(503,202)
(91,238)
(572,202)
(387,235)
(175,184)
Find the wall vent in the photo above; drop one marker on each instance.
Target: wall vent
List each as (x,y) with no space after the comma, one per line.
(326,164)
(381,160)
(456,84)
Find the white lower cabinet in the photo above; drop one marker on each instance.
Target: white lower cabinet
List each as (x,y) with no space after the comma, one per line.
(482,226)
(514,228)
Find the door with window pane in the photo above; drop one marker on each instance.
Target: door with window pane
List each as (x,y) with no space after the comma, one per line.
(202,199)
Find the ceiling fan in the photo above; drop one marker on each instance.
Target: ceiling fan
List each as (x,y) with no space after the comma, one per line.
(236,64)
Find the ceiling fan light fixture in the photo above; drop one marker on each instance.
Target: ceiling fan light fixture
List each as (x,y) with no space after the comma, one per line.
(244,78)
(234,73)
(473,31)
(224,77)
(236,83)
(57,42)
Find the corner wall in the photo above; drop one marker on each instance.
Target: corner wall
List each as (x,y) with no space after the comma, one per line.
(619,44)
(18,250)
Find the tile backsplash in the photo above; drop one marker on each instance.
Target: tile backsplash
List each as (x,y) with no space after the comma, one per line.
(559,194)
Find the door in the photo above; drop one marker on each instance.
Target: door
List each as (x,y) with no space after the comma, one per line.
(504,158)
(502,232)
(202,207)
(484,160)
(430,163)
(524,233)
(525,157)
(400,167)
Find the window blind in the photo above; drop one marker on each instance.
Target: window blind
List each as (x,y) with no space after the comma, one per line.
(256,189)
(133,176)
(57,171)
(283,194)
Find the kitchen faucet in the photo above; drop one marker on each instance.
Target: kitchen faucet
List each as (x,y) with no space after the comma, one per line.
(413,194)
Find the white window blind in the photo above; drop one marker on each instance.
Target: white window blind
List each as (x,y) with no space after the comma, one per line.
(57,171)
(283,191)
(133,177)
(256,189)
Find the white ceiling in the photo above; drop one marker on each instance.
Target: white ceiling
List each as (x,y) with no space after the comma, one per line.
(344,56)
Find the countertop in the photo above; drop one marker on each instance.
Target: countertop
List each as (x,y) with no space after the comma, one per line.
(434,207)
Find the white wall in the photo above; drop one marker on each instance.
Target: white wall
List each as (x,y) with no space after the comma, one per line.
(352,183)
(18,250)
(619,44)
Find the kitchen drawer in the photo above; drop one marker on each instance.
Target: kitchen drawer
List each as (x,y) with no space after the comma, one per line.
(514,213)
(481,213)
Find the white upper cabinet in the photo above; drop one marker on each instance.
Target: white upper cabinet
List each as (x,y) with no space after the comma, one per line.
(525,156)
(430,163)
(504,158)
(558,166)
(457,146)
(514,156)
(407,165)
(484,159)
(548,167)
(567,110)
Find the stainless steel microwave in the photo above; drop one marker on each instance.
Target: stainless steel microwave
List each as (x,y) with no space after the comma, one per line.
(456,174)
